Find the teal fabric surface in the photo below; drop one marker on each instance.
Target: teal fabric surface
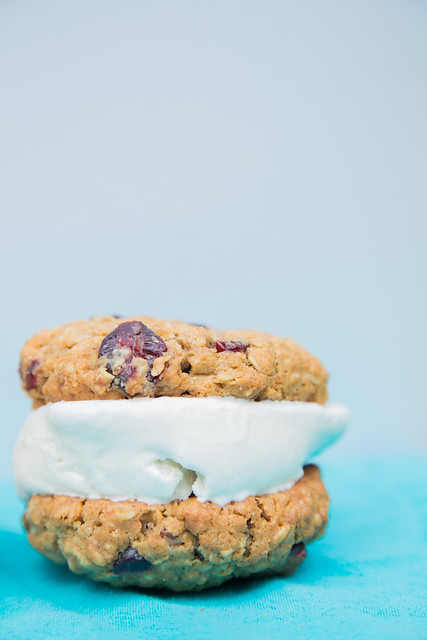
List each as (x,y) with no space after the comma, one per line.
(365,579)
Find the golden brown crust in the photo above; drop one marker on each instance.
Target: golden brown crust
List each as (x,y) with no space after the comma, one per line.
(185,545)
(64,364)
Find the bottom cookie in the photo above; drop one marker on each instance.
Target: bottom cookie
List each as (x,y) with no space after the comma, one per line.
(182,546)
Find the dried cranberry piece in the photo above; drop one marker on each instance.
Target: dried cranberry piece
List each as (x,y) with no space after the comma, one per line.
(130,561)
(197,555)
(142,341)
(173,540)
(298,551)
(128,341)
(30,378)
(230,345)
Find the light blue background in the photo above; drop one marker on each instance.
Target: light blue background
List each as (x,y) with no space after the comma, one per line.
(241,164)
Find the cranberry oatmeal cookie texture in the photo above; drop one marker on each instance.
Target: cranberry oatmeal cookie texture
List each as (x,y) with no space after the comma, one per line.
(182,542)
(106,359)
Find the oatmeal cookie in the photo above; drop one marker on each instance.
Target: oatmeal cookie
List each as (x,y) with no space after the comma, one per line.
(184,545)
(111,358)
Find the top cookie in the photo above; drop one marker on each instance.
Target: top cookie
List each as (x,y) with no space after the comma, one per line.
(114,358)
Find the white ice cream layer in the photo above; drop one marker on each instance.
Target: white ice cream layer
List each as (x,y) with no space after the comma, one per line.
(158,449)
